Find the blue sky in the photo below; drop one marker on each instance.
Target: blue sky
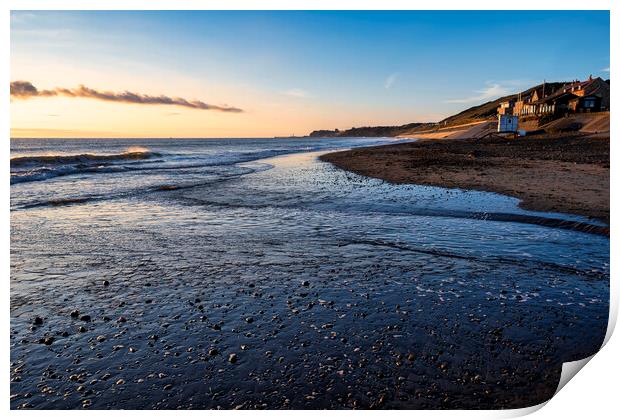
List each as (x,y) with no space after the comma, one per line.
(340,68)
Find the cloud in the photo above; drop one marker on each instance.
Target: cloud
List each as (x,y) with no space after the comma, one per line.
(391,79)
(606,69)
(25,90)
(296,93)
(492,91)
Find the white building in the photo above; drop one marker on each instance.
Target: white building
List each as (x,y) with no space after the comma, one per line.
(507,123)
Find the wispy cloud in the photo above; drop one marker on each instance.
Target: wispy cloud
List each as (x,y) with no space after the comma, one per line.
(493,90)
(26,90)
(390,80)
(296,93)
(606,69)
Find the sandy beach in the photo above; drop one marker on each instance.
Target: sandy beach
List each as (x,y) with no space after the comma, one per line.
(552,173)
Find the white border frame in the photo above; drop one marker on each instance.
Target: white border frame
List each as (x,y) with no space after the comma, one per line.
(592,394)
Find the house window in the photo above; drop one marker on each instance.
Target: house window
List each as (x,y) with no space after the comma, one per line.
(589,103)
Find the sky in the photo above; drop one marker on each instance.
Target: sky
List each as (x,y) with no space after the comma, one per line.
(275,73)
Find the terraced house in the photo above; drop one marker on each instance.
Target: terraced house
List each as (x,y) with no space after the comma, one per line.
(591,95)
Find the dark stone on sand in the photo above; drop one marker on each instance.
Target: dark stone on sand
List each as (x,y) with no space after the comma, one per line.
(497,331)
(82,329)
(121,319)
(75,313)
(47,340)
(85,318)
(305,283)
(106,283)
(37,320)
(167,387)
(213,352)
(232,358)
(249,320)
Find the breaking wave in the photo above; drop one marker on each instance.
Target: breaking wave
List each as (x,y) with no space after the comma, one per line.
(41,167)
(84,158)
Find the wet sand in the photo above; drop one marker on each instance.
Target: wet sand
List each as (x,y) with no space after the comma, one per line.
(299,286)
(562,173)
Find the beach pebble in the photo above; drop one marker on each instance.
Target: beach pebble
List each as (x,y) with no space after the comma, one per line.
(85,318)
(37,320)
(232,358)
(47,340)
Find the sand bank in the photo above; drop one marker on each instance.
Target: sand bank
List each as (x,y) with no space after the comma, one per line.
(562,173)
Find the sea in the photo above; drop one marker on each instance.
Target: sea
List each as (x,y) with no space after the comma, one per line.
(248,273)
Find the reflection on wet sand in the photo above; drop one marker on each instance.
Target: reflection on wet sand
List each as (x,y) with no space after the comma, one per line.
(299,286)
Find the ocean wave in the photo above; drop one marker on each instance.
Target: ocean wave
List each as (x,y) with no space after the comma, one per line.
(84,158)
(43,167)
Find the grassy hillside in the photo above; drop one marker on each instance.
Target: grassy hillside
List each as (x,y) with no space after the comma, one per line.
(488,110)
(482,112)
